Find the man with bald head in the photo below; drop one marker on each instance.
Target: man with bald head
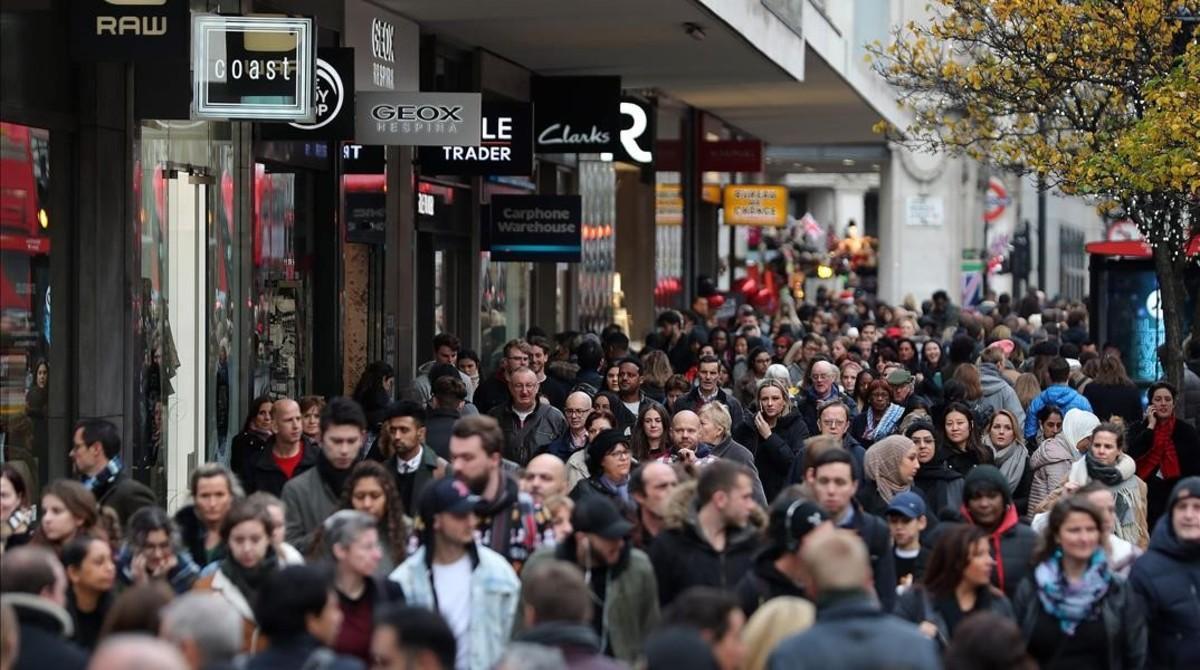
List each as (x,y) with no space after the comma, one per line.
(289,455)
(545,477)
(685,434)
(529,426)
(821,388)
(576,410)
(136,652)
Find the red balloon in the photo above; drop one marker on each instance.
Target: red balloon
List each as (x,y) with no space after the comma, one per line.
(749,287)
(716,300)
(762,298)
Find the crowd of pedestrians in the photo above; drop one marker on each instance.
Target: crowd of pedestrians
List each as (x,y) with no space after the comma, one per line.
(853,485)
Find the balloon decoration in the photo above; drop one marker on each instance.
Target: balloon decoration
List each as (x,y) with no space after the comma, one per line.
(716,300)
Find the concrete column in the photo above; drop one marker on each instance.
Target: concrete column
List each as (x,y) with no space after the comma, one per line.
(822,204)
(848,206)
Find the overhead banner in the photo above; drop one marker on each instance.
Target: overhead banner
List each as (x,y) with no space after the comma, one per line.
(505,149)
(129,30)
(253,68)
(536,228)
(333,102)
(715,156)
(418,119)
(755,205)
(576,114)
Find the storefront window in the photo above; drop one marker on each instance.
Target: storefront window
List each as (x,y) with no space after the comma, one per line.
(279,290)
(25,297)
(598,187)
(504,297)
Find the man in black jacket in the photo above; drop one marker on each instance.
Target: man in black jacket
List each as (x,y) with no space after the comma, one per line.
(834,484)
(633,401)
(708,374)
(34,585)
(96,452)
(413,464)
(778,569)
(290,453)
(529,425)
(714,544)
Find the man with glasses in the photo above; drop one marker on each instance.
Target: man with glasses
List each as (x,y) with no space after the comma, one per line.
(834,420)
(495,391)
(529,426)
(574,438)
(822,388)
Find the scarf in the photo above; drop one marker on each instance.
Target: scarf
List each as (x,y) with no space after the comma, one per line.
(1163,454)
(619,490)
(882,465)
(334,478)
(886,425)
(1108,475)
(249,580)
(100,481)
(1013,460)
(1072,604)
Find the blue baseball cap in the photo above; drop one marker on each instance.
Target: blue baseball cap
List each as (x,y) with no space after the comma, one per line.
(447,496)
(907,504)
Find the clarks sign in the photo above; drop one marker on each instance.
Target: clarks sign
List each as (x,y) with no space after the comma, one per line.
(127,30)
(576,114)
(418,119)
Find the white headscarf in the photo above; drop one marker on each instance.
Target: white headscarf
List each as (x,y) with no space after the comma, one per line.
(1078,424)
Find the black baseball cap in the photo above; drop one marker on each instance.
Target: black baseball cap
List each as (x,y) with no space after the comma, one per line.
(794,519)
(447,496)
(595,514)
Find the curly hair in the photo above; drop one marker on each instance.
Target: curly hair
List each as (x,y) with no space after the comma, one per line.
(392,526)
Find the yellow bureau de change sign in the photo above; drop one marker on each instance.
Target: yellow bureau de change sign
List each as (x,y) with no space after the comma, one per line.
(755,205)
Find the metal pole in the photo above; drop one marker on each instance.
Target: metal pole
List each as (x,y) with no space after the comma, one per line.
(1041,231)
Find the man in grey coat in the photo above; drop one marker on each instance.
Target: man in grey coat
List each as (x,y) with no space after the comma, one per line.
(998,393)
(313,495)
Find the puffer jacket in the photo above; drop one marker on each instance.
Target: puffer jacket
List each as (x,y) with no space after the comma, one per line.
(1167,578)
(1062,396)
(683,558)
(998,393)
(495,595)
(1051,463)
(1120,610)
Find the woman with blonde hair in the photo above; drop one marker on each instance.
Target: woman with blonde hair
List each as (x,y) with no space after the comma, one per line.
(1028,388)
(774,434)
(778,619)
(656,372)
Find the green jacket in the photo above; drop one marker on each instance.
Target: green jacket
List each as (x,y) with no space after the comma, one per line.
(631,599)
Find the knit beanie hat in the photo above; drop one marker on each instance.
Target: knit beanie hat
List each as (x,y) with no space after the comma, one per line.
(986,479)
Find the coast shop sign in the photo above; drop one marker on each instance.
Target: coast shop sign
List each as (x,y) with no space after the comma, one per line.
(418,119)
(535,228)
(506,148)
(256,68)
(333,102)
(577,114)
(128,30)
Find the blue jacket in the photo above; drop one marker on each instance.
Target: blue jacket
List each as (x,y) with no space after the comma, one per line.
(853,633)
(1167,577)
(1060,395)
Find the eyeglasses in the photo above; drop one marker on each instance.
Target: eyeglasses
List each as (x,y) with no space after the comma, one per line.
(833,423)
(619,454)
(576,411)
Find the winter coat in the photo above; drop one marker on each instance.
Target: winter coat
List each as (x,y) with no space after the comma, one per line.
(578,642)
(1120,610)
(626,420)
(1130,495)
(125,495)
(524,440)
(301,651)
(244,451)
(1110,400)
(851,445)
(495,596)
(431,469)
(492,393)
(1167,578)
(878,538)
(774,456)
(264,475)
(917,605)
(852,633)
(764,582)
(1191,396)
(1051,463)
(941,487)
(683,558)
(998,393)
(309,500)
(44,638)
(1012,544)
(1140,441)
(217,582)
(438,424)
(630,597)
(692,402)
(732,451)
(192,533)
(1061,396)
(808,403)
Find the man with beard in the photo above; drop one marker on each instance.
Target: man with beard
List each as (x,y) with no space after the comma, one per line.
(507,519)
(633,401)
(708,389)
(413,464)
(314,495)
(624,592)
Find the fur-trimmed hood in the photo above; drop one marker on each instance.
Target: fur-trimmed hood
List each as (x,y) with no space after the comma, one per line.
(682,510)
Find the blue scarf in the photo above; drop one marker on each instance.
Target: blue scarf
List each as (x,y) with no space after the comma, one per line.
(100,481)
(1072,604)
(886,425)
(620,490)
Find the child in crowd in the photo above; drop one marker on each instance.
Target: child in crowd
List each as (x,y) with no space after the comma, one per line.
(906,519)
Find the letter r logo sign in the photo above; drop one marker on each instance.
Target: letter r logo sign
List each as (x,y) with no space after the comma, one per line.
(629,137)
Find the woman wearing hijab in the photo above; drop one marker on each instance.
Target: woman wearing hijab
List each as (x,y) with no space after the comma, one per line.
(1052,461)
(1010,456)
(891,465)
(941,486)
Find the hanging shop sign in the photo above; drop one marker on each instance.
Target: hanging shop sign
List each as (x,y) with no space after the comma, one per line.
(333,102)
(128,30)
(536,228)
(576,114)
(252,68)
(637,132)
(505,148)
(418,119)
(715,156)
(755,205)
(363,159)
(386,48)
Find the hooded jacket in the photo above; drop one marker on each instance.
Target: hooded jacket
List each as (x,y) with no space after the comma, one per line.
(1012,544)
(998,393)
(45,631)
(683,557)
(630,599)
(578,643)
(1060,395)
(1167,578)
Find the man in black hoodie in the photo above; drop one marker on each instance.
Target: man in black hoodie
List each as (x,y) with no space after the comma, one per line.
(777,568)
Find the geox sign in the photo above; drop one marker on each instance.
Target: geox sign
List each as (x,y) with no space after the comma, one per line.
(128,30)
(418,119)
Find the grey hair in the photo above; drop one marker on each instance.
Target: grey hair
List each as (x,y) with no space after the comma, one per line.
(206,470)
(718,414)
(526,656)
(344,527)
(206,619)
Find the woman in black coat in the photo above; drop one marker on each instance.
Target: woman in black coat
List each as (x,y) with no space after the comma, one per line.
(775,435)
(1166,448)
(1112,393)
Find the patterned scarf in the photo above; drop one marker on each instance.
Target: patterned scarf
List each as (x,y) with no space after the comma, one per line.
(100,481)
(1072,604)
(886,425)
(1162,454)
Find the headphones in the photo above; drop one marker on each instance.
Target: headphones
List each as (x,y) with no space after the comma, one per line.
(790,541)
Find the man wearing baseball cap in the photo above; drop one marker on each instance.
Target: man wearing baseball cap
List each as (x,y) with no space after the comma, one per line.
(906,517)
(471,586)
(620,577)
(777,569)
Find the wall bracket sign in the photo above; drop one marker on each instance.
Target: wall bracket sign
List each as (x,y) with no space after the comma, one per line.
(253,68)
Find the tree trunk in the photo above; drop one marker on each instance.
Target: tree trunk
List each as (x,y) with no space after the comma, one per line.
(1172,295)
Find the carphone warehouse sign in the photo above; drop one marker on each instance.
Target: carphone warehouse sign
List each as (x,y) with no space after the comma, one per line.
(537,228)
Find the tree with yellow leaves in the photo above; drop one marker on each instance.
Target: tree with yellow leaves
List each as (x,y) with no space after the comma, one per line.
(1095,97)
